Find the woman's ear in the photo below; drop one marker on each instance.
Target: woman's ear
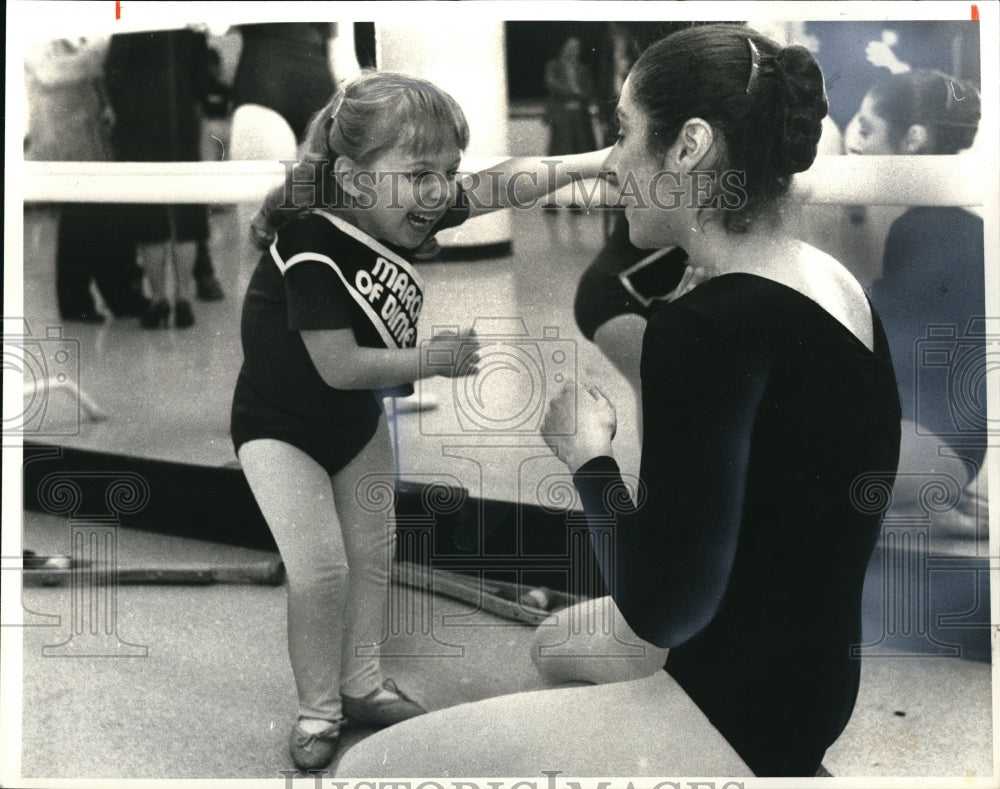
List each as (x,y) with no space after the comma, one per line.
(345,171)
(695,141)
(916,139)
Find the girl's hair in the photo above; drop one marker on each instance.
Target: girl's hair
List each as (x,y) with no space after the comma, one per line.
(373,113)
(947,107)
(766,102)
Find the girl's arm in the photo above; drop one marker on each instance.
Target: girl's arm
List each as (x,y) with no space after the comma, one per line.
(519,182)
(343,364)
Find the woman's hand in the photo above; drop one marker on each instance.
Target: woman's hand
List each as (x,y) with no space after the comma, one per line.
(579,424)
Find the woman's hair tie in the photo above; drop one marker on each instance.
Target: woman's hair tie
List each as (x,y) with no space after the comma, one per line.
(754,65)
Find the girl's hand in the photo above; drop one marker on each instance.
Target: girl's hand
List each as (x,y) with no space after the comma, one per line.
(452,355)
(261,233)
(579,424)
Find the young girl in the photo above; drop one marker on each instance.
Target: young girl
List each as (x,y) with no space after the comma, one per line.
(329,324)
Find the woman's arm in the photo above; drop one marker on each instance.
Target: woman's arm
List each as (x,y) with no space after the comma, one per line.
(343,364)
(520,181)
(668,563)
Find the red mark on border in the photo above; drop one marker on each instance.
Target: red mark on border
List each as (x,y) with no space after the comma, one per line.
(975,13)
(118,9)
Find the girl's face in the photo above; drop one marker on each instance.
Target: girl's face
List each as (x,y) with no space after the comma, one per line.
(645,188)
(402,195)
(868,133)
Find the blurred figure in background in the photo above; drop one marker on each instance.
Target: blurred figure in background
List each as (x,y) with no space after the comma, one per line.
(570,88)
(69,120)
(217,105)
(932,276)
(156,82)
(283,77)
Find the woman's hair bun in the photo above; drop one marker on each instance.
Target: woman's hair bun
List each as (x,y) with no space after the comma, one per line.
(765,103)
(805,108)
(946,106)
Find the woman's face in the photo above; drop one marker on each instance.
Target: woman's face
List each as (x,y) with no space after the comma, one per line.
(647,192)
(868,133)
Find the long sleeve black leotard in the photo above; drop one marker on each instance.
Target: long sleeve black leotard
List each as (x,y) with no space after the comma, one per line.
(771,440)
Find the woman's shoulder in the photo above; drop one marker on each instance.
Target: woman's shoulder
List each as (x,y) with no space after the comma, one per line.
(719,307)
(825,282)
(765,301)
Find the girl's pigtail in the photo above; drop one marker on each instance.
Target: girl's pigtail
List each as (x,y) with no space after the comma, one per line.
(307,183)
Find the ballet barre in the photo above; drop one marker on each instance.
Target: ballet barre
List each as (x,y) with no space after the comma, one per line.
(959,180)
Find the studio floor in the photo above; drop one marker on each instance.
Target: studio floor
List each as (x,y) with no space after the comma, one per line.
(212,697)
(208,691)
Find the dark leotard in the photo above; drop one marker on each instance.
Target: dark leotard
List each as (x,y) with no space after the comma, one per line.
(747,552)
(279,393)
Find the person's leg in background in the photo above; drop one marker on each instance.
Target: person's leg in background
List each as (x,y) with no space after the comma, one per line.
(153,259)
(189,227)
(116,270)
(208,286)
(184,253)
(76,248)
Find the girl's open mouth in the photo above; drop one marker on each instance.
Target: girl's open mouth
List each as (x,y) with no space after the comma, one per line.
(420,221)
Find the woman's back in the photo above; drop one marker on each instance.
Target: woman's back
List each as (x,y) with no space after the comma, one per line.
(772,669)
